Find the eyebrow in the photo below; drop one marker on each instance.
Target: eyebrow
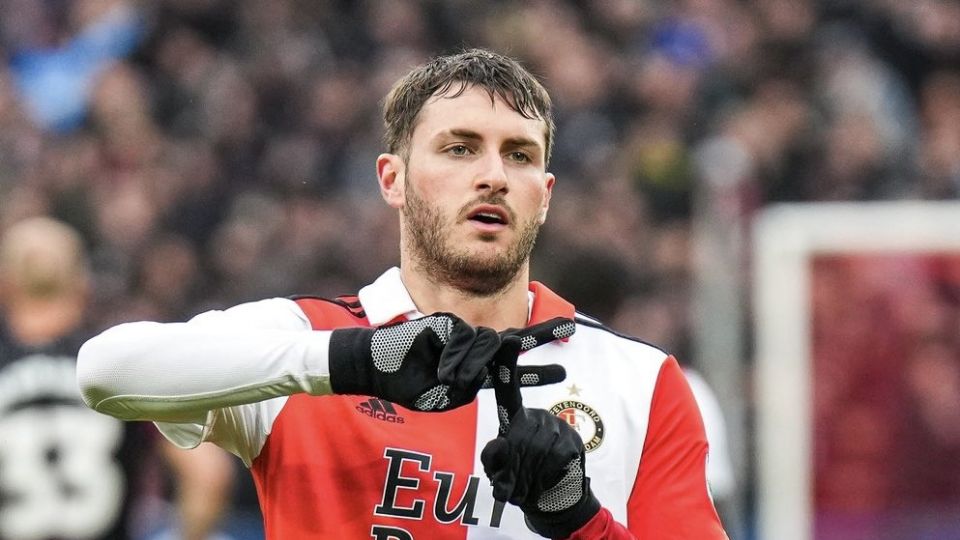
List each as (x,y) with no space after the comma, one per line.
(513,142)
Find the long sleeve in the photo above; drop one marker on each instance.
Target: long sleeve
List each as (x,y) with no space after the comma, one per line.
(178,372)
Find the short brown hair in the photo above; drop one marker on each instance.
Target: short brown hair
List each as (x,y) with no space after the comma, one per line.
(499,75)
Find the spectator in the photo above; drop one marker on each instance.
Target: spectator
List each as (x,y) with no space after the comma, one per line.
(66,473)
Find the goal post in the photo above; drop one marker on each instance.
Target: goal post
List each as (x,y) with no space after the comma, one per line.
(787,239)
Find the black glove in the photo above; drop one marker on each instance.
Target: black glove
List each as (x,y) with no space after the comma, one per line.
(435,363)
(538,461)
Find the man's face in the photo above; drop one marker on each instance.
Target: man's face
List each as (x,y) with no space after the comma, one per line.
(475,191)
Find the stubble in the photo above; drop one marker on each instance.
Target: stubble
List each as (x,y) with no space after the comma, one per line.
(469,272)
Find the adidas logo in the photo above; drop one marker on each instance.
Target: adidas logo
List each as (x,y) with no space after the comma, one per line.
(380,409)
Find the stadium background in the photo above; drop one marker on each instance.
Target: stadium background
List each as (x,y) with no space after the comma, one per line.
(215,151)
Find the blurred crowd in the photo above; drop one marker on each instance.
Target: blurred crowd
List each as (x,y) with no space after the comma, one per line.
(217,151)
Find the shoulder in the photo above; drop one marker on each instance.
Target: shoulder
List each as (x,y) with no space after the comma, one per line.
(591,332)
(327,313)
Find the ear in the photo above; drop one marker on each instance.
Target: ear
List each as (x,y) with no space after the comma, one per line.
(390,175)
(550,181)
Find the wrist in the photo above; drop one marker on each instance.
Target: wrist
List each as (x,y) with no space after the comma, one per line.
(349,360)
(565,522)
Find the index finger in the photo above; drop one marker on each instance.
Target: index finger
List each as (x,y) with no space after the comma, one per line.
(506,382)
(545,332)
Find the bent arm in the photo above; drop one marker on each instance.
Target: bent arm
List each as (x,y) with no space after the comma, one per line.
(670,498)
(177,372)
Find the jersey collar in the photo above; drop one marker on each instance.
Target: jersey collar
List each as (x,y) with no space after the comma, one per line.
(387,299)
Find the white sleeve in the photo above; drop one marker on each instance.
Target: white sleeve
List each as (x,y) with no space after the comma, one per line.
(223,376)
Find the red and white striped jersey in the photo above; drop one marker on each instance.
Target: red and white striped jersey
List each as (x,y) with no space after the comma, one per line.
(333,467)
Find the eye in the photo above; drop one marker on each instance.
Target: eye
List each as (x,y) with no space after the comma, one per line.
(458,150)
(519,157)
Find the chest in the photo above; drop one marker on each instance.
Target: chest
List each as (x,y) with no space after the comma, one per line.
(357,464)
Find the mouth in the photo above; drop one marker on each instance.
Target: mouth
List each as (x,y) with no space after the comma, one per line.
(489,215)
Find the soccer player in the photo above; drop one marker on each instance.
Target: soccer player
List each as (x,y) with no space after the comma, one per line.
(371,416)
(65,471)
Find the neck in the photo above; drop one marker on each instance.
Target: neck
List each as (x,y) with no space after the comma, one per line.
(508,308)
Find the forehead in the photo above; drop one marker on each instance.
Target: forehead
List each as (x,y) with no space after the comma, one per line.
(474,110)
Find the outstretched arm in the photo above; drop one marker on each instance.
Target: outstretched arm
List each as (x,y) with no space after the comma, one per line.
(177,372)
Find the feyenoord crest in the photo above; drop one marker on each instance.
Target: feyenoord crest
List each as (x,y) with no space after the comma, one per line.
(582,418)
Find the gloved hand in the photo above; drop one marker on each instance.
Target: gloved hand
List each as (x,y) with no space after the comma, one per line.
(538,461)
(435,363)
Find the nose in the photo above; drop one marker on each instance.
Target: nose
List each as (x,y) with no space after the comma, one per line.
(491,175)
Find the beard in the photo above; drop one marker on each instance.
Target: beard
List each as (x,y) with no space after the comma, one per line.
(470,272)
